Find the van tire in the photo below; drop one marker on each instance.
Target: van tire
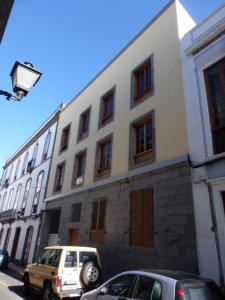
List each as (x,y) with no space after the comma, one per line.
(26,284)
(48,293)
(91,275)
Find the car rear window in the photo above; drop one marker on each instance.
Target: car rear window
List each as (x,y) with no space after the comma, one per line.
(86,256)
(204,291)
(71,259)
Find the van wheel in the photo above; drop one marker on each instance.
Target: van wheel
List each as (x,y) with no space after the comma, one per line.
(91,275)
(48,293)
(26,284)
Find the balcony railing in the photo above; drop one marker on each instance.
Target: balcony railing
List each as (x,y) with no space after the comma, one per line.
(8,216)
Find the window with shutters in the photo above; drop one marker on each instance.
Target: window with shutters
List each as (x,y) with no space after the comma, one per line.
(142,140)
(103,157)
(25,196)
(84,125)
(141,232)
(97,231)
(46,146)
(17,168)
(215,87)
(24,164)
(142,82)
(37,192)
(65,138)
(59,176)
(106,113)
(79,168)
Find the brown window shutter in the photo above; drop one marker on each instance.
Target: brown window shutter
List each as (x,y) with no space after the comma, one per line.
(141,218)
(102,209)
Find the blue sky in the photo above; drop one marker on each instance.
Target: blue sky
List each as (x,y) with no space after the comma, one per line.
(69,42)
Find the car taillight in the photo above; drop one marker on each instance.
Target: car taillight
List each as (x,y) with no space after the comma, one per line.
(180,295)
(58,281)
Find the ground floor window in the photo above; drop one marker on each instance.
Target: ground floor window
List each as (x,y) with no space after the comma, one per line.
(7,239)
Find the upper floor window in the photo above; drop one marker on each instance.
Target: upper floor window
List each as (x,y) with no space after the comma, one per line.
(25,196)
(31,163)
(98,221)
(103,156)
(4,176)
(10,173)
(65,138)
(9,204)
(59,176)
(17,169)
(46,146)
(37,192)
(84,124)
(142,81)
(18,192)
(79,168)
(142,139)
(106,108)
(24,164)
(3,205)
(215,86)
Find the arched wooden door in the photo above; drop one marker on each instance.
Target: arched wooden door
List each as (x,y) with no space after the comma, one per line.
(15,243)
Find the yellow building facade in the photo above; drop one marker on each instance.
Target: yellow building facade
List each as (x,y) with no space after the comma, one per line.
(120,178)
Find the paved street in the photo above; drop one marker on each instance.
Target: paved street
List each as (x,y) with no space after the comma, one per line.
(12,288)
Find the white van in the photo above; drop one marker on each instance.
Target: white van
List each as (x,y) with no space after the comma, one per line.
(64,271)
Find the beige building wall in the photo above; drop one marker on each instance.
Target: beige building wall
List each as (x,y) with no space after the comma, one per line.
(161,40)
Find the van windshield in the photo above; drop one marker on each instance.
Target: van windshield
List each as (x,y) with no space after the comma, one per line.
(86,256)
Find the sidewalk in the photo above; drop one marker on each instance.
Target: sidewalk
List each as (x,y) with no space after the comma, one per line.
(16,270)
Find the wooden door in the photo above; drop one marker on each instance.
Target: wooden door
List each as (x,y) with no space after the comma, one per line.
(15,243)
(73,235)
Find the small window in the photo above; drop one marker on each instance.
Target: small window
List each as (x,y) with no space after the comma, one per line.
(142,140)
(103,157)
(59,177)
(71,259)
(79,168)
(54,258)
(97,232)
(84,125)
(142,82)
(76,212)
(65,138)
(106,108)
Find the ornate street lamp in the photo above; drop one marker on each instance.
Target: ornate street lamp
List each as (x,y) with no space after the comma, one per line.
(24,77)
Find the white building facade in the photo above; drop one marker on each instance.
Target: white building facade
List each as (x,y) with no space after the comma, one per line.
(203,58)
(22,191)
